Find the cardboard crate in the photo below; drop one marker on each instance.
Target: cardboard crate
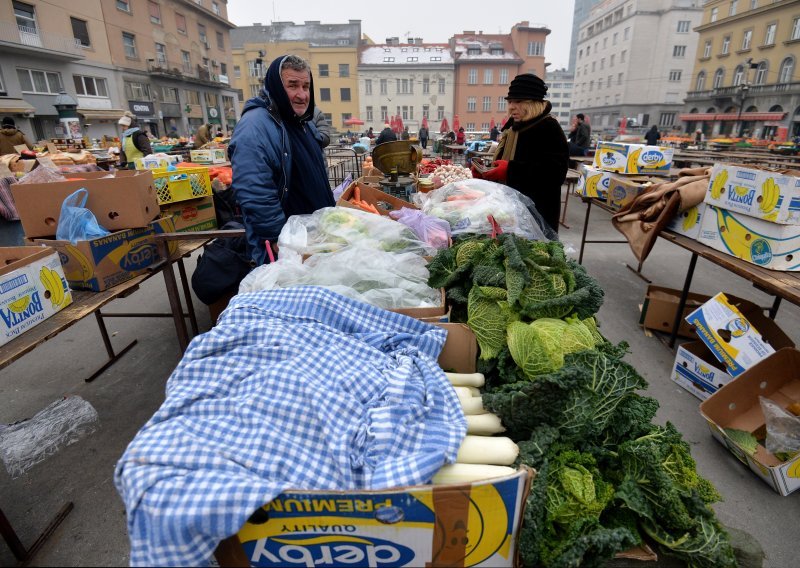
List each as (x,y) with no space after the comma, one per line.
(689,222)
(756,241)
(32,288)
(382,201)
(772,196)
(432,312)
(622,190)
(192,215)
(633,158)
(126,200)
(737,407)
(209,156)
(593,182)
(104,262)
(182,184)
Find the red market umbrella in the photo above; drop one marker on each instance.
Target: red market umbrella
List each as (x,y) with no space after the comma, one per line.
(456,123)
(505,119)
(425,122)
(399,124)
(353,121)
(445,127)
(492,123)
(393,123)
(622,123)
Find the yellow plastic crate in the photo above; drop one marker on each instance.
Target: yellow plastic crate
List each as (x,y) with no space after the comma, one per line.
(181,184)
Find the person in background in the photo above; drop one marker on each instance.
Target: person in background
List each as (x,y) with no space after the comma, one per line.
(278,166)
(699,139)
(203,136)
(370,133)
(533,155)
(423,136)
(461,137)
(405,135)
(580,136)
(323,128)
(11,136)
(494,133)
(449,138)
(652,136)
(134,141)
(386,135)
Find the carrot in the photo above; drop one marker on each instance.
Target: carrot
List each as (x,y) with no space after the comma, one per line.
(357,193)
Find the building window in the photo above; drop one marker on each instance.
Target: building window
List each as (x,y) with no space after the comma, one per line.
(193,98)
(388,59)
(714,14)
(502,104)
(80,31)
(367,86)
(535,48)
(412,59)
(795,29)
(186,60)
(679,51)
(472,77)
(129,43)
(608,82)
(719,77)
(488,77)
(707,50)
(124,5)
(726,45)
(237,71)
(769,37)
(161,55)
(487,104)
(623,55)
(734,5)
(619,78)
(426,111)
(404,87)
(324,94)
(136,91)
(169,95)
(738,75)
(344,94)
(90,86)
(614,40)
(602,63)
(611,60)
(753,4)
(201,31)
(323,70)
(215,8)
(786,71)
(626,34)
(180,23)
(700,84)
(472,103)
(675,75)
(223,69)
(384,87)
(605,42)
(503,77)
(385,113)
(441,86)
(426,86)
(666,119)
(368,118)
(440,113)
(746,39)
(761,73)
(255,90)
(254,68)
(220,41)
(344,69)
(683,26)
(155,12)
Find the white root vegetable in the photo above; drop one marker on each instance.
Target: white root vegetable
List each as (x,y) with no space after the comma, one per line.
(475,391)
(466,379)
(468,472)
(490,450)
(472,405)
(484,424)
(464,392)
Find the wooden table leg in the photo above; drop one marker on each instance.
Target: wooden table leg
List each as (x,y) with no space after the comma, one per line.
(24,555)
(682,302)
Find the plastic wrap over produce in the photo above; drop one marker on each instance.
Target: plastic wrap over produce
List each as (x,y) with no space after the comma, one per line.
(383,279)
(467,205)
(333,228)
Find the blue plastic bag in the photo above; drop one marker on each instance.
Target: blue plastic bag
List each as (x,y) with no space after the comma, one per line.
(77,223)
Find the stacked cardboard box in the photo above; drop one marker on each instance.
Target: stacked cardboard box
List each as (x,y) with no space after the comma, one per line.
(754,215)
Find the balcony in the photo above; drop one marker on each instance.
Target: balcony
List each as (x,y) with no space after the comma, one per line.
(754,90)
(164,68)
(25,41)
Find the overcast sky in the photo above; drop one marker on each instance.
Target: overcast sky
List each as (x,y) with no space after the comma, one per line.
(434,21)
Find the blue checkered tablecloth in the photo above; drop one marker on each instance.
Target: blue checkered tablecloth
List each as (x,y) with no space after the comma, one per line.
(294,388)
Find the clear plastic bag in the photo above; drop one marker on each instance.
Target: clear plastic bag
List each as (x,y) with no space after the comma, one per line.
(467,205)
(333,228)
(42,175)
(432,230)
(30,441)
(383,279)
(783,428)
(76,223)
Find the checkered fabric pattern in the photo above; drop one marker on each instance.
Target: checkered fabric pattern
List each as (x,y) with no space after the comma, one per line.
(294,388)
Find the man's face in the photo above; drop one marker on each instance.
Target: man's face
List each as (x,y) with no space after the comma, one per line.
(298,88)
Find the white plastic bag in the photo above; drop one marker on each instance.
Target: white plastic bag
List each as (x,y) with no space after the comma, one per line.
(783,428)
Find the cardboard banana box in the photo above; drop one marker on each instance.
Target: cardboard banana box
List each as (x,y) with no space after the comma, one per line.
(772,196)
(633,158)
(688,223)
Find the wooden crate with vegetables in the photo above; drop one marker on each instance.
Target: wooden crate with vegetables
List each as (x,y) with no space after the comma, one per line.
(362,196)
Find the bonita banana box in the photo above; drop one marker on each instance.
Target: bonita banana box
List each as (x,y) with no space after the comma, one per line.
(729,335)
(757,241)
(593,182)
(737,407)
(32,288)
(444,525)
(768,195)
(688,222)
(633,158)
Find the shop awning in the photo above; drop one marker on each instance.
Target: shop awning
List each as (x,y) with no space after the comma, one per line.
(101,114)
(15,106)
(697,116)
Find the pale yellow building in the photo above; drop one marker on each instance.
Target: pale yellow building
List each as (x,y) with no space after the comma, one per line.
(745,78)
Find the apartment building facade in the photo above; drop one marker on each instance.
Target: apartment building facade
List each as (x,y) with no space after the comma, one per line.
(331,49)
(413,81)
(559,93)
(485,64)
(634,61)
(746,78)
(144,56)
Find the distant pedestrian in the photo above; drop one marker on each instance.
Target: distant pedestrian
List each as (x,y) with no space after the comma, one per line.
(580,137)
(135,143)
(405,135)
(652,136)
(494,133)
(423,137)
(11,136)
(386,135)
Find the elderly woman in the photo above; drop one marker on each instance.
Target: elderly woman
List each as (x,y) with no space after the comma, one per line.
(533,155)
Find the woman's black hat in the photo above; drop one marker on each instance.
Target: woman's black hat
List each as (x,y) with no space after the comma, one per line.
(527,87)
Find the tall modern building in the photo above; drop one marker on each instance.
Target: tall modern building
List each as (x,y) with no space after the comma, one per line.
(579,15)
(746,70)
(165,61)
(412,80)
(332,50)
(635,60)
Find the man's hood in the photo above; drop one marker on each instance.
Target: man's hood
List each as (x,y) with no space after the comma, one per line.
(273,84)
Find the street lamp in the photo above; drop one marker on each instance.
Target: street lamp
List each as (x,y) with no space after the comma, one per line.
(743,88)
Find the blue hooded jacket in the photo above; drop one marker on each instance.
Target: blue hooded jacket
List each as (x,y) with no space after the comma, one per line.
(261,157)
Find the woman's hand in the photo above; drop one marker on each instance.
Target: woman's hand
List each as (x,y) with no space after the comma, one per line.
(499,173)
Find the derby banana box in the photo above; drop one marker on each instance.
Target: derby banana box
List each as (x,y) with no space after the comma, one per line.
(768,195)
(593,182)
(688,222)
(729,335)
(32,288)
(757,241)
(737,407)
(633,158)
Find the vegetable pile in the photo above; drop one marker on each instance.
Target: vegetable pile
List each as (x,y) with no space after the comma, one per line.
(608,478)
(449,173)
(428,166)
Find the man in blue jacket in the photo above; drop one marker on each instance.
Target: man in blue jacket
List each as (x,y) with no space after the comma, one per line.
(278,166)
